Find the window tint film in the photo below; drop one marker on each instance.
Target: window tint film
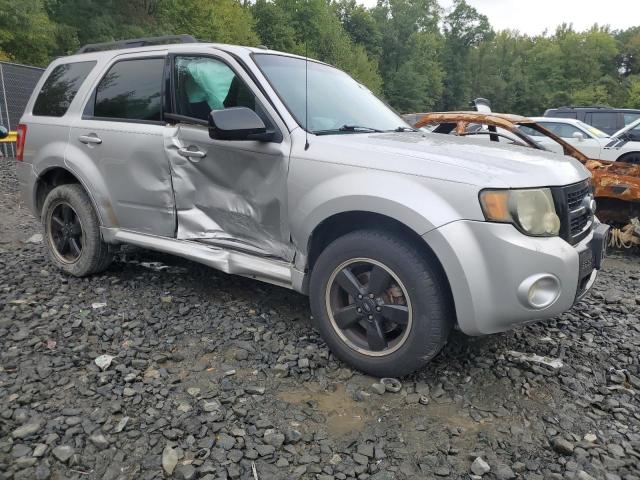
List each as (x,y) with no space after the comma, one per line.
(605,121)
(131,89)
(60,88)
(204,84)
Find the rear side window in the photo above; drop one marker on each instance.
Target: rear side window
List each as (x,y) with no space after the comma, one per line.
(131,90)
(604,120)
(60,88)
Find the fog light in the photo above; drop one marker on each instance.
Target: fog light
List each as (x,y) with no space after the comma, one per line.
(539,291)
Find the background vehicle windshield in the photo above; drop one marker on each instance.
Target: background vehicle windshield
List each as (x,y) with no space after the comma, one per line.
(335,99)
(593,130)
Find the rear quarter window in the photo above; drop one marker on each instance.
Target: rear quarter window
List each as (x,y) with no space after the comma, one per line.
(605,120)
(60,88)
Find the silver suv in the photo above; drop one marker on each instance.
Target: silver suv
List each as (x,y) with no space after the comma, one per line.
(263,164)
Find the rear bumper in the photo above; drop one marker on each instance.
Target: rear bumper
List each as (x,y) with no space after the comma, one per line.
(27,179)
(492,266)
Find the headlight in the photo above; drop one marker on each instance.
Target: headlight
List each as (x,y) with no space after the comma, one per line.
(531,210)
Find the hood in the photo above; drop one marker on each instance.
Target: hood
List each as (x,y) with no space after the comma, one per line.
(447,157)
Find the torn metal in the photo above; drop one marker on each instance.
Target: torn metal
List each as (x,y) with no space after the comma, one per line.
(616,184)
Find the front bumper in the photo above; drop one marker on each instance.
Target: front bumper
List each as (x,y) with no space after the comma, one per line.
(489,264)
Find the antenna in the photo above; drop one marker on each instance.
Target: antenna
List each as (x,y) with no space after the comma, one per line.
(306,96)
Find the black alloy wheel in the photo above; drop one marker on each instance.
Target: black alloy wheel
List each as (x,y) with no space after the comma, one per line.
(368,307)
(66,233)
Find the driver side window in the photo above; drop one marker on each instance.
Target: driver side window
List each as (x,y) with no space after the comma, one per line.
(204,84)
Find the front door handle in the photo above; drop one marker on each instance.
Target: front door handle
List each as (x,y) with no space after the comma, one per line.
(90,139)
(185,152)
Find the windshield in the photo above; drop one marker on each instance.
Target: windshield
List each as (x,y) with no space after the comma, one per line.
(592,130)
(336,102)
(632,129)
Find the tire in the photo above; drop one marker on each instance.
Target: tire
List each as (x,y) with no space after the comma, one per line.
(631,157)
(71,205)
(423,310)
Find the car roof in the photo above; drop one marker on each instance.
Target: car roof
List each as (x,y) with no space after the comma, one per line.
(595,109)
(239,50)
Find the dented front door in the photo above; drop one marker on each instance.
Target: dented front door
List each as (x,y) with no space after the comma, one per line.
(227,193)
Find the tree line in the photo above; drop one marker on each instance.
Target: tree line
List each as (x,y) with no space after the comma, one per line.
(414,54)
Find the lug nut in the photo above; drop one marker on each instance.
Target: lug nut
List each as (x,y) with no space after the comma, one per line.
(370,317)
(359,295)
(379,309)
(359,310)
(371,295)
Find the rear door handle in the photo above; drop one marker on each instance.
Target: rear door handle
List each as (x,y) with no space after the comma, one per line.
(185,152)
(90,139)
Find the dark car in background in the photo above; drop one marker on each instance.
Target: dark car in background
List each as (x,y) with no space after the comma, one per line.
(609,120)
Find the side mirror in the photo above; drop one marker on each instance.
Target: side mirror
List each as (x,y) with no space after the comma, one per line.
(578,136)
(238,123)
(4,133)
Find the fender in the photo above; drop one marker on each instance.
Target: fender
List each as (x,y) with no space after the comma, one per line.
(416,202)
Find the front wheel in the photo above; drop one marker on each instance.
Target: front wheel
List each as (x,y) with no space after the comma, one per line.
(72,232)
(379,303)
(631,157)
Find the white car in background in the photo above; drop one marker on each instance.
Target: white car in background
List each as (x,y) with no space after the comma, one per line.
(623,145)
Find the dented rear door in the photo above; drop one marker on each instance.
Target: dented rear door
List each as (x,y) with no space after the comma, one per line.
(227,193)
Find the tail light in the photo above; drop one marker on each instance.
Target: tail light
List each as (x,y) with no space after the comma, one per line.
(20,141)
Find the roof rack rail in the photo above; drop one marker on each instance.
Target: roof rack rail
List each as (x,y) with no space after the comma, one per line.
(137,42)
(569,107)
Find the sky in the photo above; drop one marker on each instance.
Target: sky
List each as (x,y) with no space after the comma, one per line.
(534,16)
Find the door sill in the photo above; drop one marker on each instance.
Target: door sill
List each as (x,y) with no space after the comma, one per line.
(270,270)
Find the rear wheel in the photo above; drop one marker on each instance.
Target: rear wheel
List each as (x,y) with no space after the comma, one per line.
(72,232)
(379,303)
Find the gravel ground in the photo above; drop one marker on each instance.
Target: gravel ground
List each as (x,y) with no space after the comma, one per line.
(209,376)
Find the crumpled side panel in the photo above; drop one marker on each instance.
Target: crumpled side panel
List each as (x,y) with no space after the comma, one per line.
(237,192)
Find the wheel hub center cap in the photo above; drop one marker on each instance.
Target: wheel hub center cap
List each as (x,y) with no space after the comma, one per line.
(368,305)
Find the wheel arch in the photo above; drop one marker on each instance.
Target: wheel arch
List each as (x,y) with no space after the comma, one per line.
(342,223)
(622,157)
(53,177)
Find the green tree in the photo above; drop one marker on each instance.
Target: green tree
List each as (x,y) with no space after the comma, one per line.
(27,35)
(224,21)
(464,28)
(633,98)
(409,61)
(361,26)
(319,32)
(274,28)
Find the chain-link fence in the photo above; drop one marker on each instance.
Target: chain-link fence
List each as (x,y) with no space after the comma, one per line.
(16,84)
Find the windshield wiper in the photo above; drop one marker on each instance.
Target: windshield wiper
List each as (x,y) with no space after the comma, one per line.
(403,129)
(348,128)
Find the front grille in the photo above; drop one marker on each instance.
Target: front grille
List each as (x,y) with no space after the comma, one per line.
(574,199)
(578,223)
(576,217)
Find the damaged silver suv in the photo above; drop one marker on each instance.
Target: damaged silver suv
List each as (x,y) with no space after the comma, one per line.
(262,164)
